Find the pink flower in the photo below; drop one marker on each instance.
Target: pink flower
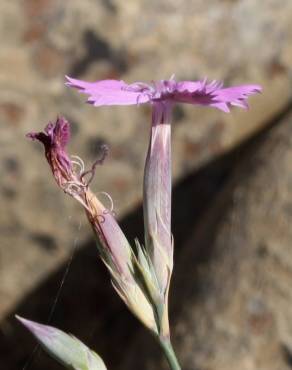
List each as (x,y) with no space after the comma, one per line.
(162,95)
(114,92)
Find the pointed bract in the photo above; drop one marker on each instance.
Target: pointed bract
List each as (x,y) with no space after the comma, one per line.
(66,349)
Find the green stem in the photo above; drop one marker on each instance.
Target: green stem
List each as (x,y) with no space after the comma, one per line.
(169,353)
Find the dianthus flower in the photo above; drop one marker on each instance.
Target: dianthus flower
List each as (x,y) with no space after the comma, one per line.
(162,95)
(213,94)
(157,177)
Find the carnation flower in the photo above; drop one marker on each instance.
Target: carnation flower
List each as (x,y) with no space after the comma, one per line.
(213,94)
(162,95)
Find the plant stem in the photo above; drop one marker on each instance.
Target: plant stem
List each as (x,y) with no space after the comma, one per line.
(169,353)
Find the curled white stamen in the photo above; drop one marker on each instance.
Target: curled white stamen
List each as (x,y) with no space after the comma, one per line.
(139,87)
(77,183)
(148,94)
(91,172)
(111,209)
(78,165)
(74,188)
(79,162)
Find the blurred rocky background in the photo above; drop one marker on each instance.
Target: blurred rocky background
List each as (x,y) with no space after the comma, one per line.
(231,297)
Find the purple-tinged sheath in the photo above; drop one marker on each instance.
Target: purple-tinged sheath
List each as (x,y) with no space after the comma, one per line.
(157,194)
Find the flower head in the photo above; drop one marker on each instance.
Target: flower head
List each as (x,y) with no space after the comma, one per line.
(157,175)
(213,94)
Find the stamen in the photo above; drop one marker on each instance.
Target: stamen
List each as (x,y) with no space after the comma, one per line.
(143,88)
(148,94)
(110,199)
(139,87)
(104,152)
(73,188)
(204,84)
(78,162)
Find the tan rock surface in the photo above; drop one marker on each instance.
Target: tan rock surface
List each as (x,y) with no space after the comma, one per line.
(41,40)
